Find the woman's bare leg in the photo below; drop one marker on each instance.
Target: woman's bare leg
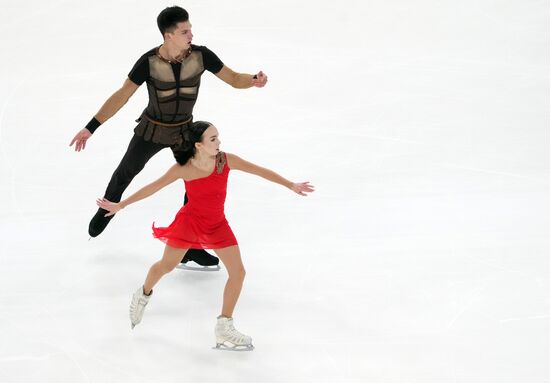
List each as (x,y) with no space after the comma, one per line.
(170,259)
(231,258)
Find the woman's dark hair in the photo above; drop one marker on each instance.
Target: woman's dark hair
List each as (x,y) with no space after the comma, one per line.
(186,150)
(168,19)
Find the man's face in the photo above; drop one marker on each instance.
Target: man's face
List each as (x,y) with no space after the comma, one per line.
(181,36)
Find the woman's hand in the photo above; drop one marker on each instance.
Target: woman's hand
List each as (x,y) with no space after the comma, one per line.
(111,207)
(302,188)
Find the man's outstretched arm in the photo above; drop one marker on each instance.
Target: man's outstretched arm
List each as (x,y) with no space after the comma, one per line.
(116,101)
(108,110)
(241,80)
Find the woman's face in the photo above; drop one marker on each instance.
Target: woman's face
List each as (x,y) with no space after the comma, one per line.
(210,144)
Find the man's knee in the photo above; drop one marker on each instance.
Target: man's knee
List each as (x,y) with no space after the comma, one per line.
(125,173)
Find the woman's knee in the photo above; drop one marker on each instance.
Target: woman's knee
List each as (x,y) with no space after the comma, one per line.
(238,273)
(167,267)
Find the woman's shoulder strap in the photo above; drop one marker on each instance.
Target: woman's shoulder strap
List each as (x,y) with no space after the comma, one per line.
(221,160)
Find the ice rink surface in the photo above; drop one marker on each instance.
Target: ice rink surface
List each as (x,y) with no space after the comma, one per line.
(423,256)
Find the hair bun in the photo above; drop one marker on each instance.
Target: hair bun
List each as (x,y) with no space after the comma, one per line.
(189,137)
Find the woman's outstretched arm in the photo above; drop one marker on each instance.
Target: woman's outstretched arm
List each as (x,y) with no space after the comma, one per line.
(170,176)
(237,163)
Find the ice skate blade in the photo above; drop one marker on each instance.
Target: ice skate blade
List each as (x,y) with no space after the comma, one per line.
(224,347)
(183,266)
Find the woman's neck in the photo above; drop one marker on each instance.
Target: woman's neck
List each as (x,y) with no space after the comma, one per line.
(203,161)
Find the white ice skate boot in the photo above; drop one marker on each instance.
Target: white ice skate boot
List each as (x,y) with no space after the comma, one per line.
(137,306)
(228,338)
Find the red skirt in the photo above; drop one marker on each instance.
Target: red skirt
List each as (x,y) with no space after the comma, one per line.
(189,231)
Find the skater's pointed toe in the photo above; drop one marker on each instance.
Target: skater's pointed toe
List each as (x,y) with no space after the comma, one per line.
(98,223)
(137,306)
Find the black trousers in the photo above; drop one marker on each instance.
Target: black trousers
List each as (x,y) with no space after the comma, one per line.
(139,152)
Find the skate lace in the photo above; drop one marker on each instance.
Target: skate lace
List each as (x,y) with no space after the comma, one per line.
(233,334)
(143,302)
(139,302)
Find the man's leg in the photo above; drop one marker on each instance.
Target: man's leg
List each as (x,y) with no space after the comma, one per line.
(137,155)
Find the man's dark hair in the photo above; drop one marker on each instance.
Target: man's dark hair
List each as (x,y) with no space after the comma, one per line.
(169,17)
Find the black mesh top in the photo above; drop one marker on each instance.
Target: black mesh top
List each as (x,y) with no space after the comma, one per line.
(173,88)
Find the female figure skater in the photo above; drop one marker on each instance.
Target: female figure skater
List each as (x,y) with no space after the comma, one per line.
(201,222)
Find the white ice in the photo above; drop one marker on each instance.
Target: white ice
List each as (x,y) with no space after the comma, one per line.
(423,256)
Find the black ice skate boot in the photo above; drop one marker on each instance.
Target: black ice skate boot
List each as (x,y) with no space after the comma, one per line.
(206,261)
(99,222)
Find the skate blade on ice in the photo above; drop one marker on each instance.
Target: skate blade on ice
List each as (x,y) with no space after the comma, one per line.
(232,347)
(183,266)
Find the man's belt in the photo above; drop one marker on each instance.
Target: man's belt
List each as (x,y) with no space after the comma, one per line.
(165,124)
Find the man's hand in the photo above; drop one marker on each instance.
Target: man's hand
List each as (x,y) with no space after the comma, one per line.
(80,139)
(259,80)
(108,110)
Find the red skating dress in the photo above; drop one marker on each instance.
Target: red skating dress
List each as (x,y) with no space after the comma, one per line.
(201,223)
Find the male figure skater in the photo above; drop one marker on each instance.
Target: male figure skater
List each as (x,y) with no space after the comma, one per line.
(172,72)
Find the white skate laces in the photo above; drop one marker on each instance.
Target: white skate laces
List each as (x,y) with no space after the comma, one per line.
(137,306)
(228,338)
